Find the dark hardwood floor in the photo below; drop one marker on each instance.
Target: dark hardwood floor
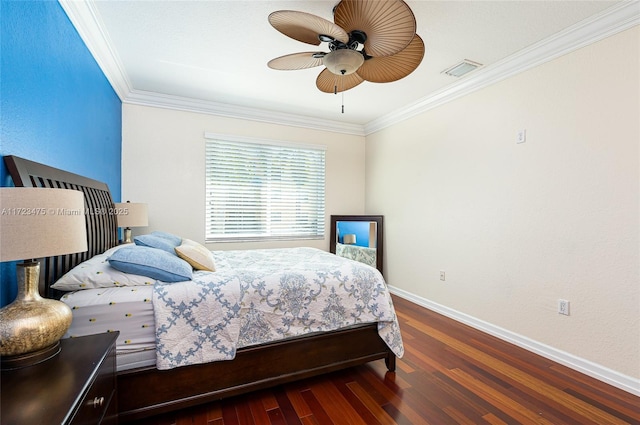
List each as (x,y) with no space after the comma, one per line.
(450,374)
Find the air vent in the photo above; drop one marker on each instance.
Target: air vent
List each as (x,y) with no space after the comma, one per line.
(464,67)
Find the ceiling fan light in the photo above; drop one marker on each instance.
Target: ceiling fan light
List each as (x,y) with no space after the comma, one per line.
(343,61)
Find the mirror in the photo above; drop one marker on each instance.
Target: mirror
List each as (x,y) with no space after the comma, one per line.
(358,237)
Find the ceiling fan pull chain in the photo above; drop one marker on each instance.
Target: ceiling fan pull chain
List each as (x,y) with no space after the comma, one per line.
(342,93)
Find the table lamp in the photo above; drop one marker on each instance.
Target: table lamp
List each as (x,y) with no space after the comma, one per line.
(349,239)
(128,215)
(36,223)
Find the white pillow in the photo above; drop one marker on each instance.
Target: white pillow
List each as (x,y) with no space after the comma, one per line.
(97,273)
(196,254)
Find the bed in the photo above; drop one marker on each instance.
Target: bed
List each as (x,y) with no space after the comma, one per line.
(143,388)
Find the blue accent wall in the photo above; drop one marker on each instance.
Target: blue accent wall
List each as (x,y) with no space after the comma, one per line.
(56,105)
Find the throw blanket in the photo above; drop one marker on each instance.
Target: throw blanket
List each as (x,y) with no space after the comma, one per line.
(258,296)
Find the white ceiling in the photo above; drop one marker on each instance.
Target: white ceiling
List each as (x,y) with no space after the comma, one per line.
(216,52)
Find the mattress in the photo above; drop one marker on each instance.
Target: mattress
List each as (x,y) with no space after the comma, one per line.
(127,309)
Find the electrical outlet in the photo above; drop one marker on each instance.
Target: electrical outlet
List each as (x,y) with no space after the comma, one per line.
(563,307)
(442,275)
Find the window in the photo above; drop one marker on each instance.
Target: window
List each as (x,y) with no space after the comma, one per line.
(263,190)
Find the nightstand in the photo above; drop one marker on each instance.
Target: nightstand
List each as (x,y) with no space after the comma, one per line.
(77,386)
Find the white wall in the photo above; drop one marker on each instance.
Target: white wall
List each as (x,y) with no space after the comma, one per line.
(163,165)
(518,226)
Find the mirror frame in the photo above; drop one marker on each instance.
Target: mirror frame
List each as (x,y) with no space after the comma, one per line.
(378,219)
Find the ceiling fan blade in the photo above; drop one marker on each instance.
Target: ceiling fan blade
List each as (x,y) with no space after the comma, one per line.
(391,68)
(329,82)
(296,61)
(389,24)
(306,27)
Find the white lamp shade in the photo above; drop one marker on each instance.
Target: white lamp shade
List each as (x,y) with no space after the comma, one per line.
(343,61)
(131,214)
(41,222)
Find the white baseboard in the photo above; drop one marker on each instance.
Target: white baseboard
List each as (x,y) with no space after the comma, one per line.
(604,374)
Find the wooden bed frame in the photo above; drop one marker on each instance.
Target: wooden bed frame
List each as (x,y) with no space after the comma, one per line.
(147,391)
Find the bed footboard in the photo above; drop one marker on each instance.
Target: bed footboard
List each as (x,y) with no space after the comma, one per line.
(147,391)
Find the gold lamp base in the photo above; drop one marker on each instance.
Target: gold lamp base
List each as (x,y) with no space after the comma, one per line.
(127,235)
(31,326)
(29,359)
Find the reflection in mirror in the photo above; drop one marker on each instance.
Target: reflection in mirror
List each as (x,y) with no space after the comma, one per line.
(358,237)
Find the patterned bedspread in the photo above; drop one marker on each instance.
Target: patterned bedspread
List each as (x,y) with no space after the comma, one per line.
(258,296)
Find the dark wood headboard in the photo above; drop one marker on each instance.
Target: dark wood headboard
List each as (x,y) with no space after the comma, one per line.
(102,230)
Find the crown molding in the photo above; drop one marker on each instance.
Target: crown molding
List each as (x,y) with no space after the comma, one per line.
(607,23)
(137,97)
(85,18)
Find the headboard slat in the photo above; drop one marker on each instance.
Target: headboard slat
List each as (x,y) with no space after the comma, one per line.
(100,220)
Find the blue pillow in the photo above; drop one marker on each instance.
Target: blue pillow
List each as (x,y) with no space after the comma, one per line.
(151,262)
(154,241)
(175,240)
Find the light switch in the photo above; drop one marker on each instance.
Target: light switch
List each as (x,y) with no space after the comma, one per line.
(522,136)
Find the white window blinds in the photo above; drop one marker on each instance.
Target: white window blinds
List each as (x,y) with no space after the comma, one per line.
(263,191)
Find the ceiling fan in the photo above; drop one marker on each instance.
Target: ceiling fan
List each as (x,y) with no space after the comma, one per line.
(371,40)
